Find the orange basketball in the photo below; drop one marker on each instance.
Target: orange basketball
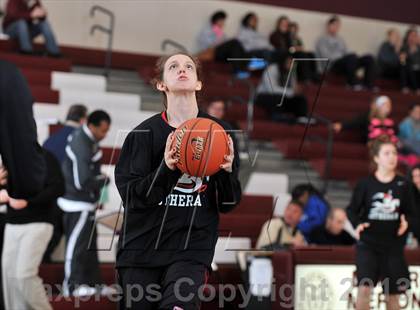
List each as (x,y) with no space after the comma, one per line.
(201,145)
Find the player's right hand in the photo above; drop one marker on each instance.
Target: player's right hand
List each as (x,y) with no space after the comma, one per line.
(170,152)
(3,176)
(360,228)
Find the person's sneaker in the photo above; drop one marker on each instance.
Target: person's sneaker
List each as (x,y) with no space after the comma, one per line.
(108,290)
(242,75)
(256,64)
(84,290)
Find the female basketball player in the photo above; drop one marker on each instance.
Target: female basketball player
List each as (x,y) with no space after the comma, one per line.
(171,219)
(380,209)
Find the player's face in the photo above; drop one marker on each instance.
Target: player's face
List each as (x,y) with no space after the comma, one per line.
(180,75)
(387,158)
(292,214)
(416,177)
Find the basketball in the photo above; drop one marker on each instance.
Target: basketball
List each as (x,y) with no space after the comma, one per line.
(201,145)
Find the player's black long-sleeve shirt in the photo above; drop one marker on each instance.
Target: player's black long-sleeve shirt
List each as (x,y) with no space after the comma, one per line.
(381,205)
(168,216)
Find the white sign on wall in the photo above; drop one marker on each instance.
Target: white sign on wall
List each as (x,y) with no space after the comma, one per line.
(333,287)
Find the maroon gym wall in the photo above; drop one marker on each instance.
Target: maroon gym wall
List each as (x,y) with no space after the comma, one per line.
(403,11)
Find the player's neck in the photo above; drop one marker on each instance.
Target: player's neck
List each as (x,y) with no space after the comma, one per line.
(181,108)
(385,176)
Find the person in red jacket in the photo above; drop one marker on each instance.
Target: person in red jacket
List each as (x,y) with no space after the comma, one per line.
(25,20)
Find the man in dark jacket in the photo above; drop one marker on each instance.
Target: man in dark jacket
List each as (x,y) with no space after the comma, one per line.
(26,19)
(332,232)
(81,168)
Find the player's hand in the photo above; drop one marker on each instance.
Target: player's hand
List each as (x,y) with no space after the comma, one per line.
(170,153)
(18,204)
(227,165)
(360,228)
(3,176)
(403,226)
(4,196)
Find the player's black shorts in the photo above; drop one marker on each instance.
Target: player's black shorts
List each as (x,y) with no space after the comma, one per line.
(387,265)
(177,286)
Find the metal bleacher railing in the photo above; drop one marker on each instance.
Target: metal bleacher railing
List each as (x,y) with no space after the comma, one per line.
(109,31)
(329,146)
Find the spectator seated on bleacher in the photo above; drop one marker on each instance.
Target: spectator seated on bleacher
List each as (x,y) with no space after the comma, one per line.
(279,99)
(255,43)
(374,123)
(24,21)
(289,43)
(282,232)
(332,233)
(409,131)
(315,210)
(214,45)
(389,62)
(410,56)
(342,61)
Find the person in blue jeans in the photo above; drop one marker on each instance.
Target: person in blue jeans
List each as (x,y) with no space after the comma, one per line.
(315,211)
(25,20)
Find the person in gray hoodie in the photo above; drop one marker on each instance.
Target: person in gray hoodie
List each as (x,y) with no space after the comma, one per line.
(83,178)
(343,62)
(255,43)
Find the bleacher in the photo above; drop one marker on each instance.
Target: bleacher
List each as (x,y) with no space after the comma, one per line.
(54,87)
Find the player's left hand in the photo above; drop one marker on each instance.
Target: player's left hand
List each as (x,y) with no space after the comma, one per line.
(403,225)
(18,204)
(227,165)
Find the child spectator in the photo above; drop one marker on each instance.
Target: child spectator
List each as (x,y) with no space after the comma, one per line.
(374,123)
(316,208)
